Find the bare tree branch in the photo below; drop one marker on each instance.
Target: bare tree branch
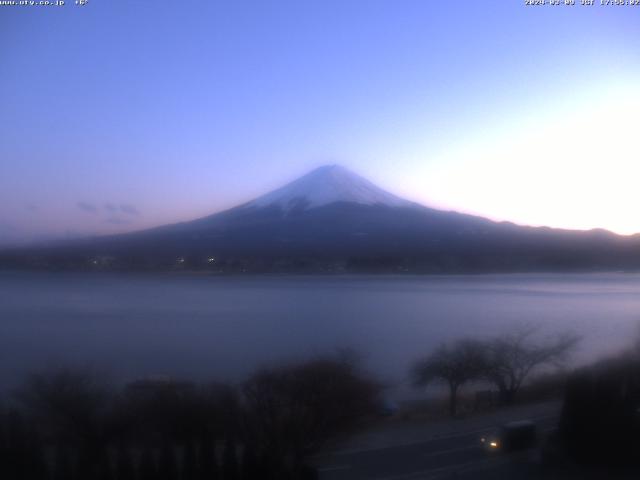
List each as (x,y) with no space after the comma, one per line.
(454,365)
(512,357)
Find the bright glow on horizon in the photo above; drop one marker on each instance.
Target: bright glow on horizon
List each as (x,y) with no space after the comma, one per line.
(569,168)
(512,113)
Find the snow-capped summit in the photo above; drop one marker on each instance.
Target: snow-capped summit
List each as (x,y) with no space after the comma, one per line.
(325,185)
(355,229)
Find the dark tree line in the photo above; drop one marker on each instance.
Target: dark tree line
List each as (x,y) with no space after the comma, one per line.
(69,425)
(505,361)
(600,418)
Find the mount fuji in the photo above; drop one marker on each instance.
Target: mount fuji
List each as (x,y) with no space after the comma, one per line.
(332,219)
(324,186)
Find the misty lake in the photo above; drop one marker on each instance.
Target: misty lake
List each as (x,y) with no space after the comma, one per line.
(205,327)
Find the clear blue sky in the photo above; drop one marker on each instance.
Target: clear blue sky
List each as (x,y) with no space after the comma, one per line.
(125,114)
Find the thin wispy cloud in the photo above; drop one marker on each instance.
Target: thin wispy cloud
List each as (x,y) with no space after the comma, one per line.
(117,221)
(129,209)
(110,207)
(113,211)
(6,227)
(87,207)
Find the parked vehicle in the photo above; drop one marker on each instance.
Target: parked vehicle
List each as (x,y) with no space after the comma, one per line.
(511,437)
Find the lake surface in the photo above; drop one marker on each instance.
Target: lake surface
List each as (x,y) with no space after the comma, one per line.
(204,327)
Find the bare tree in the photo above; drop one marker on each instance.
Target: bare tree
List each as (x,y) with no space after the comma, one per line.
(453,365)
(512,357)
(71,407)
(67,404)
(293,410)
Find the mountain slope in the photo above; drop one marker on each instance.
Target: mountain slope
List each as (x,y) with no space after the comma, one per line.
(324,186)
(332,219)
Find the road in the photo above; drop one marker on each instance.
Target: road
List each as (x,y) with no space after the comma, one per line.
(435,451)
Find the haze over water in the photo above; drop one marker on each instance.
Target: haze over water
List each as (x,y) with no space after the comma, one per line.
(222,328)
